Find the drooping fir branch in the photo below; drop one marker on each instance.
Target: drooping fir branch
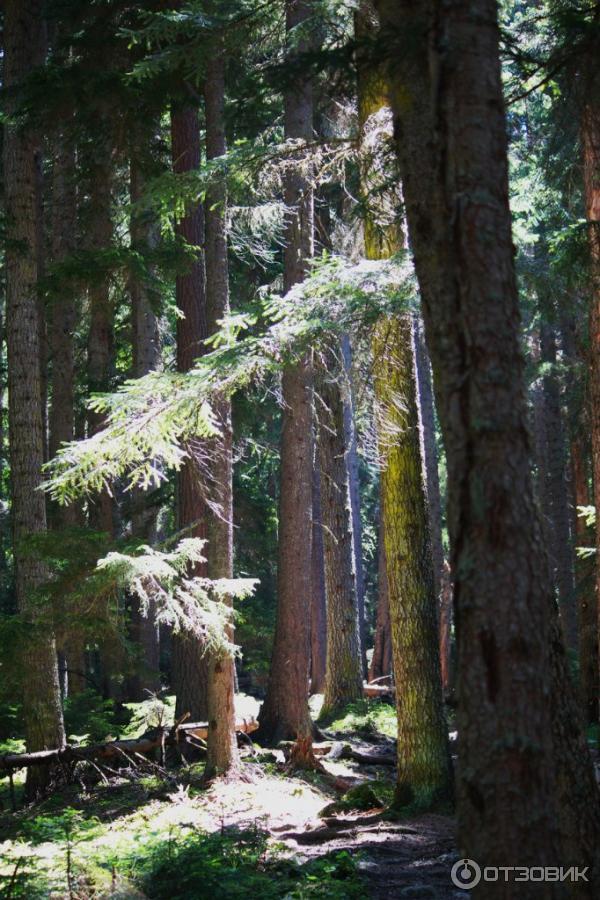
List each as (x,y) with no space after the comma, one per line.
(151,420)
(193,605)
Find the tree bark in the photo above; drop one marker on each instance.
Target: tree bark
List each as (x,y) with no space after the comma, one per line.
(351,436)
(523,762)
(190,664)
(222,751)
(62,320)
(425,406)
(145,339)
(343,678)
(586,589)
(591,166)
(559,531)
(424,772)
(381,662)
(41,694)
(285,714)
(318,608)
(99,238)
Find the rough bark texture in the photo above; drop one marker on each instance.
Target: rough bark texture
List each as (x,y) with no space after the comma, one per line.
(145,339)
(591,173)
(190,664)
(425,406)
(99,237)
(446,617)
(285,714)
(586,589)
(381,662)
(424,771)
(559,530)
(344,671)
(522,761)
(222,752)
(41,694)
(62,317)
(318,606)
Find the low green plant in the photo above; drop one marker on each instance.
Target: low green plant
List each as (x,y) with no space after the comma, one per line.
(366,717)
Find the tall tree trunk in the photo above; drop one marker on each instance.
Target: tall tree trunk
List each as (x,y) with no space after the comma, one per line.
(586,589)
(285,713)
(351,435)
(99,237)
(343,678)
(446,617)
(585,566)
(523,762)
(99,230)
(146,357)
(425,406)
(561,545)
(381,662)
(222,752)
(424,772)
(62,320)
(3,510)
(591,168)
(318,607)
(190,664)
(41,694)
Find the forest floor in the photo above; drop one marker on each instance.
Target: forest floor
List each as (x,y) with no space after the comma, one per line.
(275,834)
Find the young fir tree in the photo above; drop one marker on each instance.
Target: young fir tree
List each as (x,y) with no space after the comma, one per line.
(44,728)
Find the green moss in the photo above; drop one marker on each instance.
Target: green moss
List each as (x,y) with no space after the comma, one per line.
(365,717)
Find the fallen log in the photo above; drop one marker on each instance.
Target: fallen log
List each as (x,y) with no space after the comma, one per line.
(379,690)
(147,743)
(368,759)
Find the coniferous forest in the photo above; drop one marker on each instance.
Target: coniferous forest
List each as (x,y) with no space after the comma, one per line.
(299,449)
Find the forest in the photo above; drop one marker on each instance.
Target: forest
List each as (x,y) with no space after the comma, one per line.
(299,449)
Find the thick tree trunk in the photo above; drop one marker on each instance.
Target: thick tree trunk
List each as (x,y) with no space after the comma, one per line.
(381,662)
(519,776)
(424,772)
(99,237)
(285,714)
(145,339)
(446,617)
(318,607)
(586,589)
(560,543)
(190,664)
(591,167)
(344,671)
(62,319)
(425,406)
(4,527)
(41,694)
(222,752)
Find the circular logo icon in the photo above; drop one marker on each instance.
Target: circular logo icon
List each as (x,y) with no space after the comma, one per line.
(465,874)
